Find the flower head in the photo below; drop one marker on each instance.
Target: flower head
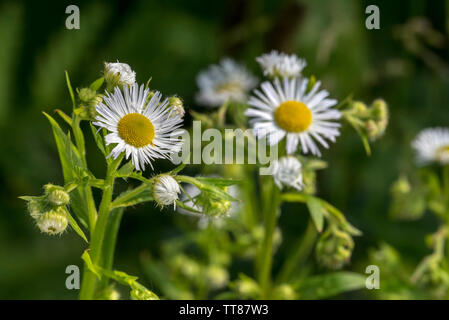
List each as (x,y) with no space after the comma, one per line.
(166,190)
(144,130)
(56,195)
(54,221)
(287,172)
(275,64)
(286,109)
(118,73)
(225,81)
(432,145)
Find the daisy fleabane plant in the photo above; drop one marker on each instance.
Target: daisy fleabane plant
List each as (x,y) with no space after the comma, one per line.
(286,109)
(127,121)
(145,130)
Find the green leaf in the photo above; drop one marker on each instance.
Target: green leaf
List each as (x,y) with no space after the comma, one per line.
(64,116)
(96,84)
(316,212)
(125,170)
(132,197)
(76,227)
(69,86)
(98,139)
(86,257)
(219,182)
(331,284)
(70,160)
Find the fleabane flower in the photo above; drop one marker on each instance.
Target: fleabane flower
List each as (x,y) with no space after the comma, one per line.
(166,190)
(143,130)
(119,73)
(287,172)
(432,145)
(226,81)
(287,109)
(275,64)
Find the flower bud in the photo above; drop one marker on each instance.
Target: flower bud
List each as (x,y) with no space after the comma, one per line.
(246,287)
(87,94)
(165,190)
(118,74)
(334,248)
(54,221)
(284,292)
(177,105)
(217,276)
(36,208)
(56,195)
(359,109)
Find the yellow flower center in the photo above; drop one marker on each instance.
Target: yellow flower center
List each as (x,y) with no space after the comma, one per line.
(293,116)
(136,129)
(228,87)
(442,153)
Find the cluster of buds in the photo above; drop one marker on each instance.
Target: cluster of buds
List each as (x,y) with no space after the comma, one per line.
(432,270)
(89,98)
(372,121)
(407,203)
(334,247)
(212,204)
(248,241)
(49,211)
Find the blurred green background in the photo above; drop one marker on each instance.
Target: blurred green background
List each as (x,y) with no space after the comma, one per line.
(405,62)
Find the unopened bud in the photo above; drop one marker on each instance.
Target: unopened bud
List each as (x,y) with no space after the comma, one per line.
(217,276)
(165,190)
(54,221)
(284,292)
(117,73)
(56,195)
(177,105)
(36,208)
(334,248)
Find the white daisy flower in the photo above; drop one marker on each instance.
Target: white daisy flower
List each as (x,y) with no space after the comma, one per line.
(119,71)
(432,145)
(287,172)
(225,81)
(144,130)
(287,110)
(275,64)
(166,190)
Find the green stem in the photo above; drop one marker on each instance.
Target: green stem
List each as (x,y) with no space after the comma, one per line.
(109,243)
(85,191)
(272,202)
(300,252)
(96,243)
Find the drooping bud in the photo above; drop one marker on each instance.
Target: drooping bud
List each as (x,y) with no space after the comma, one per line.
(56,195)
(36,207)
(118,74)
(334,248)
(109,293)
(165,190)
(54,221)
(177,105)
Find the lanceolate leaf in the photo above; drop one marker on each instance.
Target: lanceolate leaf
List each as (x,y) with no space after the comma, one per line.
(70,159)
(98,139)
(76,227)
(96,84)
(316,212)
(331,284)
